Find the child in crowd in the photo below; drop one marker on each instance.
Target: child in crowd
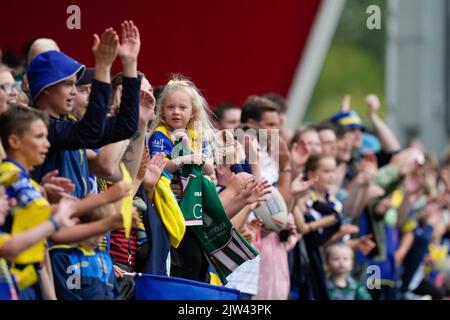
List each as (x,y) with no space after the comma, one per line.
(182,115)
(23,132)
(340,285)
(84,271)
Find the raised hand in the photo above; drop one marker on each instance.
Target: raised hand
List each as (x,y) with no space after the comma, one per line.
(284,154)
(154,170)
(146,107)
(255,191)
(131,42)
(56,187)
(373,103)
(407,160)
(300,153)
(105,48)
(299,187)
(345,103)
(143,166)
(368,168)
(239,181)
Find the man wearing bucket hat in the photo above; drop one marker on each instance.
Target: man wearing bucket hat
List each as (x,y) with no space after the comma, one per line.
(53,77)
(364,141)
(352,121)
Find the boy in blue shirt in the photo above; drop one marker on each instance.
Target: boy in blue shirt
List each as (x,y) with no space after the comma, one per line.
(53,76)
(84,271)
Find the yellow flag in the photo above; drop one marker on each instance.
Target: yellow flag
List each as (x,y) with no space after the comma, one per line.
(169,211)
(126,209)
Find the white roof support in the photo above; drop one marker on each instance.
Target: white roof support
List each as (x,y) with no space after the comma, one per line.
(312,59)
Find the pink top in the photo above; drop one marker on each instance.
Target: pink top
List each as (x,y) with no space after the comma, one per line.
(274,280)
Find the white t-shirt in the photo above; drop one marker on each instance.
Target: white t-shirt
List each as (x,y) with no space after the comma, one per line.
(245,277)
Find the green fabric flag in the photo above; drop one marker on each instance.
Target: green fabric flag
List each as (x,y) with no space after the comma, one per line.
(192,205)
(221,242)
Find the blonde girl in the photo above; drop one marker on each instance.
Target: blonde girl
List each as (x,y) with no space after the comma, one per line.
(181,113)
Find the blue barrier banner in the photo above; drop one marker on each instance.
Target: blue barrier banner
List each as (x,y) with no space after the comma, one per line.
(155,287)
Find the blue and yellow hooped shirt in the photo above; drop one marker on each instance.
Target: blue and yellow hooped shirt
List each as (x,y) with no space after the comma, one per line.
(32,209)
(162,141)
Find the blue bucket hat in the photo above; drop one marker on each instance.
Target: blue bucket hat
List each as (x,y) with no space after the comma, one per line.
(49,68)
(348,119)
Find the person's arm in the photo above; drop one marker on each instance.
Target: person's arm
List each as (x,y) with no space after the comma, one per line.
(125,124)
(85,231)
(17,243)
(342,232)
(105,164)
(363,244)
(242,190)
(112,194)
(173,165)
(240,218)
(136,147)
(304,227)
(357,199)
(285,171)
(133,154)
(388,139)
(85,133)
(21,241)
(46,279)
(231,202)
(144,163)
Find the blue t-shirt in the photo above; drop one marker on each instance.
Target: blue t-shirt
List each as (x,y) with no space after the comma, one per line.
(83,275)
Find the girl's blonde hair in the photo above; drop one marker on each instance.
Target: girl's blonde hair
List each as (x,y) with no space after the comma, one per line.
(200,110)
